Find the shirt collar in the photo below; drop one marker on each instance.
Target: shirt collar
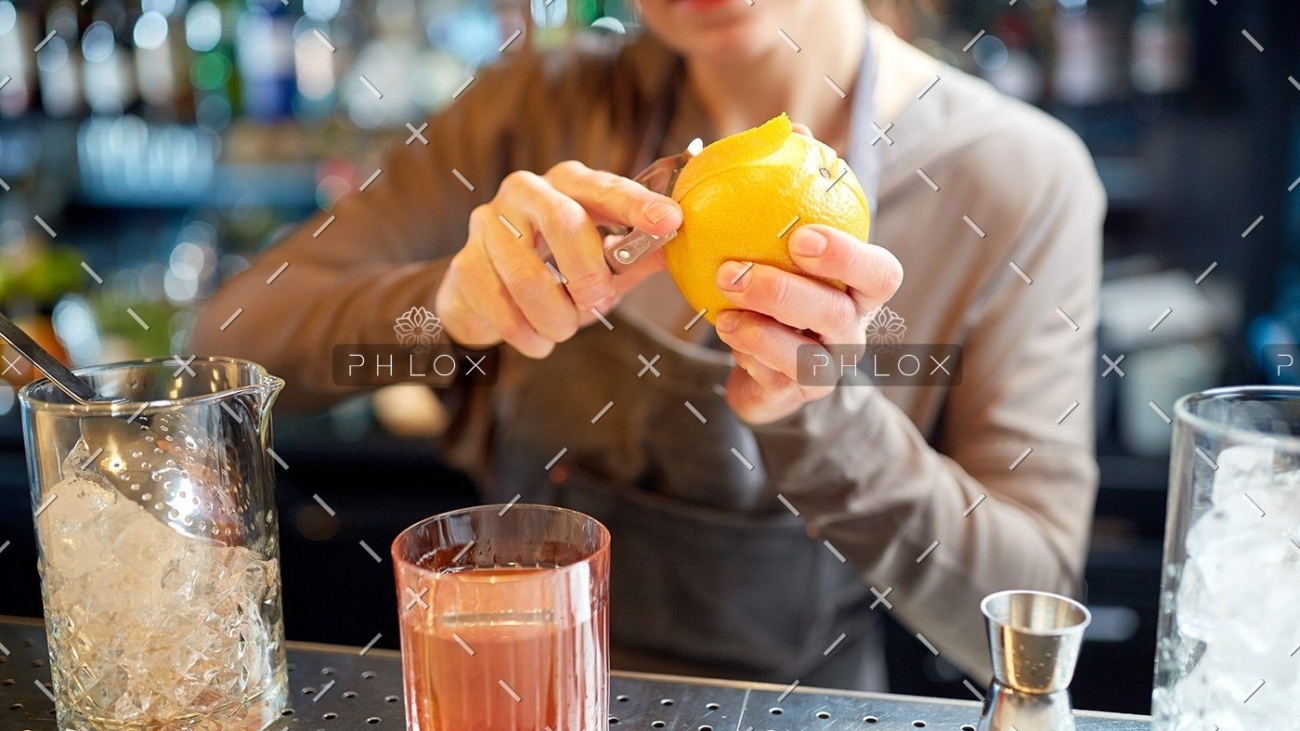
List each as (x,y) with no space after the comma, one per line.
(862,156)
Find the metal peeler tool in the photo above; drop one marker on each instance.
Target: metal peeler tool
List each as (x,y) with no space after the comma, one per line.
(660,176)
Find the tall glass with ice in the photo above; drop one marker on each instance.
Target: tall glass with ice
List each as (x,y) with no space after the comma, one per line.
(1230,598)
(158,547)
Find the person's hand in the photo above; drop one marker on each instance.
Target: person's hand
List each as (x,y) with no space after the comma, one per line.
(498,287)
(780,311)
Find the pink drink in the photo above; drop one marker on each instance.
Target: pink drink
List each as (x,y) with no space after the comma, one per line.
(489,644)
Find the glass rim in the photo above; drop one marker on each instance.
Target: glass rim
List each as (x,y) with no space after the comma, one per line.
(602,548)
(28,398)
(1183,413)
(1071,602)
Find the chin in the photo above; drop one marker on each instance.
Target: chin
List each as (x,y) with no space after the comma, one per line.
(724,48)
(714,31)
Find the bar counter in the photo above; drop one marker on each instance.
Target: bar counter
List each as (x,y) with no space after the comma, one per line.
(334,687)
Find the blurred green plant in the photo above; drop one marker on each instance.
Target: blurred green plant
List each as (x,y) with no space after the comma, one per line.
(40,276)
(117,324)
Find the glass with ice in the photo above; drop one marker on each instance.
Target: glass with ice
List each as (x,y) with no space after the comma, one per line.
(158,546)
(1230,595)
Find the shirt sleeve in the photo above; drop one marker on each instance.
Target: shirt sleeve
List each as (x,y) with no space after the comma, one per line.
(1001,496)
(346,275)
(352,271)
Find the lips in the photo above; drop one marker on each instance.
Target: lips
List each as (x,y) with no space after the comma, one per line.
(703,5)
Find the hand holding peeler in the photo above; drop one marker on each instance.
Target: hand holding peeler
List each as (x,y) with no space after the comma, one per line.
(659,176)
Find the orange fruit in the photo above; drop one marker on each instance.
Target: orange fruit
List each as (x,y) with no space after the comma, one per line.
(743,195)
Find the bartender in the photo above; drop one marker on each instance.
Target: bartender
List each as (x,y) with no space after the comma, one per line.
(761,533)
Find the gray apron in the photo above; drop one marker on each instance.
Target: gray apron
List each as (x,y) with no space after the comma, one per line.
(711,574)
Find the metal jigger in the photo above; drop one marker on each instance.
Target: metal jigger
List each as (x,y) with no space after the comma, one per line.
(1034,638)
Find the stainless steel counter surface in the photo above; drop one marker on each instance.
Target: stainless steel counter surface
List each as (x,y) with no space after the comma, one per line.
(340,688)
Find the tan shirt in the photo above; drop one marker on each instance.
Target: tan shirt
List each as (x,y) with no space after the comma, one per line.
(713,574)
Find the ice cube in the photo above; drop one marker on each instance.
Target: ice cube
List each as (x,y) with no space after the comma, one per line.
(1242,467)
(157,625)
(1194,613)
(1238,604)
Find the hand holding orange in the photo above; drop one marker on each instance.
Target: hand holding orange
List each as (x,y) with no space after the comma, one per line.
(773,247)
(744,195)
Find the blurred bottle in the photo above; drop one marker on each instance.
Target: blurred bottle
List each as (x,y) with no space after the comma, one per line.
(1009,57)
(512,16)
(623,10)
(58,61)
(162,60)
(551,27)
(459,38)
(17,38)
(585,12)
(378,91)
(209,32)
(264,55)
(1162,48)
(1089,48)
(108,68)
(316,49)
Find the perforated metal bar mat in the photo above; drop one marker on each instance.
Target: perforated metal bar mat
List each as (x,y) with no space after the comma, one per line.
(337,688)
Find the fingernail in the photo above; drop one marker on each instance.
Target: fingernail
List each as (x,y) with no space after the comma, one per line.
(808,242)
(658,211)
(727,321)
(730,276)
